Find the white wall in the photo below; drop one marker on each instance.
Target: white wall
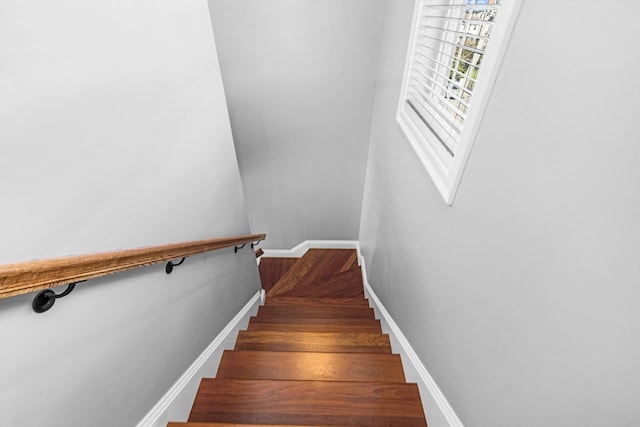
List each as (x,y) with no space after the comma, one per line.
(300,79)
(522,298)
(115,134)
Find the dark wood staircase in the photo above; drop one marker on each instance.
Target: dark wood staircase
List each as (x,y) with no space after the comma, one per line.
(314,355)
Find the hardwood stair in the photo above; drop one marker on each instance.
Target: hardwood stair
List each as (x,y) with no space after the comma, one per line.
(314,355)
(313,325)
(272,269)
(196,424)
(276,365)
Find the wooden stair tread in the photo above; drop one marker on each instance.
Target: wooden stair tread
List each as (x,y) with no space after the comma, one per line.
(315,264)
(347,321)
(329,342)
(346,284)
(272,269)
(271,365)
(315,325)
(335,312)
(205,424)
(322,301)
(373,328)
(308,402)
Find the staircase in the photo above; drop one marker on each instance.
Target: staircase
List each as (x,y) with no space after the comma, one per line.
(314,355)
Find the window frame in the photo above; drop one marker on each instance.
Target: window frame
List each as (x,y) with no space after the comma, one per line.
(445,169)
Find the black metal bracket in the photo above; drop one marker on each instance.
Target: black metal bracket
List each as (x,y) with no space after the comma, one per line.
(45,299)
(237,248)
(171,264)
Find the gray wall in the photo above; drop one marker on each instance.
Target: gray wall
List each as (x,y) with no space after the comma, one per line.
(115,134)
(300,77)
(522,298)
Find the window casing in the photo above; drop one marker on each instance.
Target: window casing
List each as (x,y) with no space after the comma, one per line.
(454,53)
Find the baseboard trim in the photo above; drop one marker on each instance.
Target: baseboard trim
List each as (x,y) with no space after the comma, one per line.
(176,403)
(303,247)
(437,409)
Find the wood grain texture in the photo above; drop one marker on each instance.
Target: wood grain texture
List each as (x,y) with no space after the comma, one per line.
(345,284)
(332,312)
(328,342)
(308,402)
(317,301)
(205,424)
(272,269)
(313,265)
(271,365)
(25,277)
(327,262)
(349,321)
(369,326)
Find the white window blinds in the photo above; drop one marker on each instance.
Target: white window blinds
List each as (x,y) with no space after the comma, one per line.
(449,46)
(454,52)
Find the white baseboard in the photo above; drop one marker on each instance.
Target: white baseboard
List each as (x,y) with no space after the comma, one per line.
(303,247)
(436,407)
(176,404)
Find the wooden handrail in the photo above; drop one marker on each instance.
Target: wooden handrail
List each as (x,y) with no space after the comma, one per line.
(25,277)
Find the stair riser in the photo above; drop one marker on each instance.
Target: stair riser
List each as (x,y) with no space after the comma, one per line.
(314,311)
(302,327)
(196,424)
(314,321)
(321,302)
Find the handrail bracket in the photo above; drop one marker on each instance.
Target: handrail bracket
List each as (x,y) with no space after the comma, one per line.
(171,264)
(45,299)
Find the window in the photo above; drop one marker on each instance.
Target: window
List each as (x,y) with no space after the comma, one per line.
(454,53)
